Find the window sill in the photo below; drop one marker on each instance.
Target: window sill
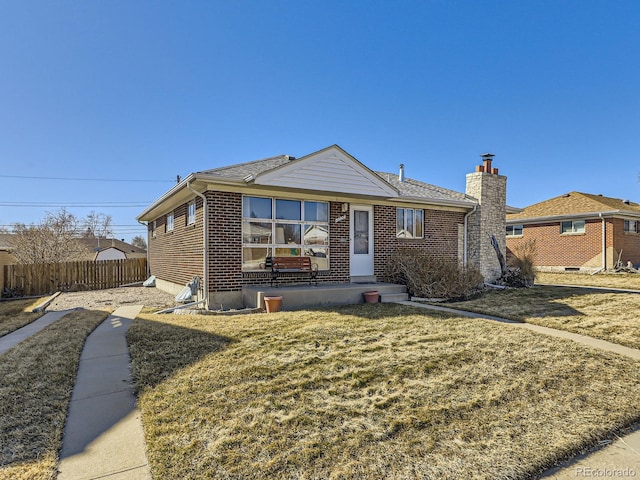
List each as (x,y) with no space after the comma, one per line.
(572,234)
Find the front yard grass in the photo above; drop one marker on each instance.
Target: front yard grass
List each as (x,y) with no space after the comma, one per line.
(369,391)
(628,281)
(36,381)
(15,314)
(606,315)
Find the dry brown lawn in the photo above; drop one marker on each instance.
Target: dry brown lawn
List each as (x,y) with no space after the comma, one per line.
(610,316)
(36,381)
(369,391)
(15,314)
(628,281)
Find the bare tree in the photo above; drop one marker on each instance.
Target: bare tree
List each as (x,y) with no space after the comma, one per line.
(139,241)
(53,240)
(97,225)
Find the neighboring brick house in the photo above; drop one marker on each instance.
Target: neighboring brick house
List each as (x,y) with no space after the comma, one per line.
(578,231)
(326,205)
(110,249)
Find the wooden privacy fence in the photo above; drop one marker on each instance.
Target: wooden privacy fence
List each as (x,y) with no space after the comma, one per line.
(44,278)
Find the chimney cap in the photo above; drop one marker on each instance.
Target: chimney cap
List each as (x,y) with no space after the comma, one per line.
(487,155)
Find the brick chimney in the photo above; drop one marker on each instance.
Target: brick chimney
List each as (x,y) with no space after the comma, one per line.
(490,190)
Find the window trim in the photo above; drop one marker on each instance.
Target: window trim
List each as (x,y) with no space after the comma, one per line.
(513,228)
(415,223)
(276,222)
(171,220)
(573,227)
(627,222)
(191,219)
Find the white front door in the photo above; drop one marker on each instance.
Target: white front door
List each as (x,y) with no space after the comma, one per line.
(361,240)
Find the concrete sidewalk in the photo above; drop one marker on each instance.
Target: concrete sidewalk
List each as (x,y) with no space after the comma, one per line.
(103,436)
(619,459)
(14,338)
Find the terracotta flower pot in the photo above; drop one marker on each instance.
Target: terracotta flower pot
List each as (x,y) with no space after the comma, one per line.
(273,304)
(371,297)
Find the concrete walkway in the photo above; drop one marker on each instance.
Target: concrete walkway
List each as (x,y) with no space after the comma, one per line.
(103,436)
(14,338)
(620,459)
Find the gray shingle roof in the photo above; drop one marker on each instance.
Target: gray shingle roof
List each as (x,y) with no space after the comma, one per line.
(256,167)
(408,188)
(416,188)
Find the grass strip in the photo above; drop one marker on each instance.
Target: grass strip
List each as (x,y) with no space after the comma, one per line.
(36,381)
(605,315)
(15,314)
(627,281)
(369,391)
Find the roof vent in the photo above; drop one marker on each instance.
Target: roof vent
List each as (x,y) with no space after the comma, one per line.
(290,158)
(401,174)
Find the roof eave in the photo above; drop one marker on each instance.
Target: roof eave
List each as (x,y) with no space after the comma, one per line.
(512,210)
(569,216)
(435,201)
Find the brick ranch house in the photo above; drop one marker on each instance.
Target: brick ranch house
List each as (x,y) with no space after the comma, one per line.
(578,231)
(221,224)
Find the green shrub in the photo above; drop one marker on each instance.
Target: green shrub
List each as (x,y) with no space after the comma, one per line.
(431,276)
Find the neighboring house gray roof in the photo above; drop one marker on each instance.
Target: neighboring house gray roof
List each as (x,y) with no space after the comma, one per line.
(5,241)
(127,248)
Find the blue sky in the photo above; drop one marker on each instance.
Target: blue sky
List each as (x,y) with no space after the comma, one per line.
(147,90)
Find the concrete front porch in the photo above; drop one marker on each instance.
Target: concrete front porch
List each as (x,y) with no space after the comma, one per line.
(296,297)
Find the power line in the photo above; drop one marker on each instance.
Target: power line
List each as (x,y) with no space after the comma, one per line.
(70,179)
(61,204)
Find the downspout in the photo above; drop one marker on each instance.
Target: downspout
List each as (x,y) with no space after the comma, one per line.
(148,247)
(466,240)
(205,253)
(604,242)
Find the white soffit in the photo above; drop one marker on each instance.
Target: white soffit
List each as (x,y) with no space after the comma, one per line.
(329,170)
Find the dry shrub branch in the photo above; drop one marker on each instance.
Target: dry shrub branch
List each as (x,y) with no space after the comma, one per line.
(432,276)
(521,272)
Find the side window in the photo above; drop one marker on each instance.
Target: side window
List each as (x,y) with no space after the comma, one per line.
(169,222)
(191,212)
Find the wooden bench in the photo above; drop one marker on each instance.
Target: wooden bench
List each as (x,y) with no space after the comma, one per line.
(280,265)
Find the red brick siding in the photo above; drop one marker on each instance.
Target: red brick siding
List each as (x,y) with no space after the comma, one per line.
(225,241)
(440,235)
(555,249)
(338,256)
(626,242)
(177,256)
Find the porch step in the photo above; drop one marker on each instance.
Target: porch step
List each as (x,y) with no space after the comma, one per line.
(364,279)
(304,296)
(394,297)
